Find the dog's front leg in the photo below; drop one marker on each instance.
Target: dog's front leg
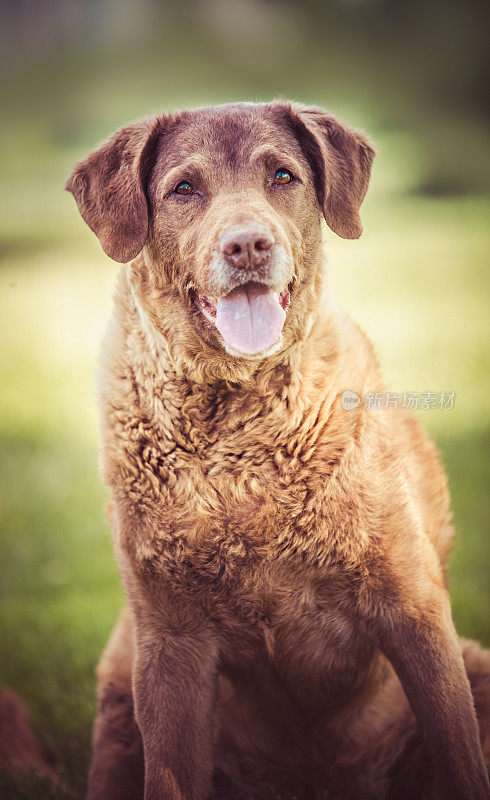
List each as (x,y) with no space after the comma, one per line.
(422,645)
(174,692)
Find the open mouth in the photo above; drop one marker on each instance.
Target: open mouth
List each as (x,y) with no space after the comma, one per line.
(250,318)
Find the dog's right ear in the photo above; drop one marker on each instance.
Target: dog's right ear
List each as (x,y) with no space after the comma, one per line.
(341,159)
(109,188)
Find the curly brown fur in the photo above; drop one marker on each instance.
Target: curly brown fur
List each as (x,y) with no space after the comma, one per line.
(289,628)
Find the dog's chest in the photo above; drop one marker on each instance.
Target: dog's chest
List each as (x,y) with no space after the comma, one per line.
(239,508)
(250,548)
(239,527)
(225,521)
(230,496)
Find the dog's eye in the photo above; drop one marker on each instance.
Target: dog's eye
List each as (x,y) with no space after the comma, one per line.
(282,176)
(184,187)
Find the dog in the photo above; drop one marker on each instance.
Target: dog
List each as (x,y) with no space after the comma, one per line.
(288,628)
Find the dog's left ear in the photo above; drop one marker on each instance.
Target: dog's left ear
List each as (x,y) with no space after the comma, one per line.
(341,160)
(109,188)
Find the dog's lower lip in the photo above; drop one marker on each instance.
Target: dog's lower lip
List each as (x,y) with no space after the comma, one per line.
(208,305)
(285,299)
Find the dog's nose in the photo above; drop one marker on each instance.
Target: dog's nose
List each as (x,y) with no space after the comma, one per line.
(246,245)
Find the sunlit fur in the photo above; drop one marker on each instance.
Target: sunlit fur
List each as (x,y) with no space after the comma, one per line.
(284,559)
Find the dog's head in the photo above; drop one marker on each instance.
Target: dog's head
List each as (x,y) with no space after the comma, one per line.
(224,204)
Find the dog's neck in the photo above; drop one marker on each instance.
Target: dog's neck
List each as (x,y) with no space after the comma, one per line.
(282,403)
(290,375)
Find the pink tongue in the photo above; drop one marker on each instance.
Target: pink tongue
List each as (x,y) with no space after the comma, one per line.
(250,318)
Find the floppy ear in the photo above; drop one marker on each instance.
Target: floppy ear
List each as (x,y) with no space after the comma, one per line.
(109,188)
(341,159)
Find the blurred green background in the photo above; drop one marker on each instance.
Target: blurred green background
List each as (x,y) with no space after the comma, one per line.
(412,75)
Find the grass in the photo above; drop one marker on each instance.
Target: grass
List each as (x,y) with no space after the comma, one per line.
(418,283)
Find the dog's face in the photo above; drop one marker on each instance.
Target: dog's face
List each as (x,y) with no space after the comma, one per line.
(225,205)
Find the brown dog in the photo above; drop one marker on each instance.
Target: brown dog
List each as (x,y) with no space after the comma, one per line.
(288,629)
